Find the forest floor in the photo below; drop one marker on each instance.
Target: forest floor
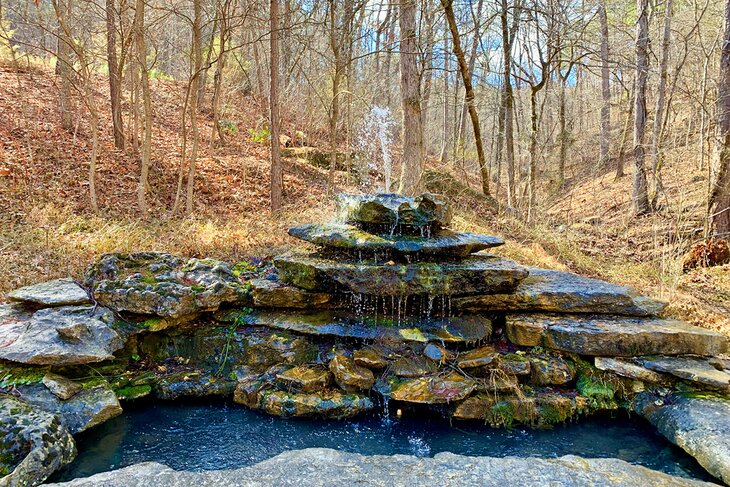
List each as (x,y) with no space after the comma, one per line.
(48,230)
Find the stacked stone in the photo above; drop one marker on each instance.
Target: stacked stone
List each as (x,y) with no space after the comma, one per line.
(517,346)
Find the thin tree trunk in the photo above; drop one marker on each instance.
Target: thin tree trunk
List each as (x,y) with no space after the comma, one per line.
(445,139)
(659,110)
(640,197)
(65,65)
(146,145)
(410,81)
(115,89)
(196,42)
(508,101)
(605,88)
(469,90)
(217,130)
(276,176)
(719,200)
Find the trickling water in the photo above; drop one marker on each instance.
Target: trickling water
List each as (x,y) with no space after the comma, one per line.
(376,138)
(219,436)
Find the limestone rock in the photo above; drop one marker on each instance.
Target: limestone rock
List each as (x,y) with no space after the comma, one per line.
(86,409)
(442,243)
(436,353)
(478,274)
(478,357)
(548,370)
(304,378)
(318,467)
(563,292)
(350,376)
(693,369)
(59,292)
(411,367)
(394,209)
(434,390)
(698,425)
(33,443)
(345,324)
(513,363)
(274,294)
(192,384)
(60,386)
(367,357)
(67,335)
(264,350)
(627,368)
(153,283)
(613,336)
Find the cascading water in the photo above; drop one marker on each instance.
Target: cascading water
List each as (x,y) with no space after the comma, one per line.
(375,139)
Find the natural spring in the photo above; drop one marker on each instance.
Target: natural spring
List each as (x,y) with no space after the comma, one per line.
(385,310)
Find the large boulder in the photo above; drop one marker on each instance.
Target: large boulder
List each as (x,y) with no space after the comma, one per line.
(613,336)
(59,292)
(87,408)
(388,209)
(700,425)
(33,443)
(564,292)
(153,283)
(325,467)
(67,335)
(478,274)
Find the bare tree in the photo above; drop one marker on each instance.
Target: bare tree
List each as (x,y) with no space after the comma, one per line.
(659,110)
(115,82)
(276,177)
(719,201)
(639,196)
(410,81)
(605,87)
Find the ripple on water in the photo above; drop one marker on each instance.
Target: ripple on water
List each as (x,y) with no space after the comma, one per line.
(219,436)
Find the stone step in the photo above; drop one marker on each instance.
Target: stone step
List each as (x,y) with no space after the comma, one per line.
(564,292)
(479,274)
(344,324)
(613,336)
(443,243)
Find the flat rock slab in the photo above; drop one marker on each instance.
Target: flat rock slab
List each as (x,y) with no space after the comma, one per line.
(33,443)
(628,368)
(67,335)
(274,294)
(698,425)
(693,369)
(86,409)
(59,292)
(325,467)
(470,328)
(154,283)
(479,274)
(613,336)
(394,209)
(564,292)
(442,243)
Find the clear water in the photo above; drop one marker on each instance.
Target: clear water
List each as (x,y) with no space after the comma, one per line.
(203,436)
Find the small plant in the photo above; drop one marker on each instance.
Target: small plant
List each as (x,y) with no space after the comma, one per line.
(260,136)
(228,126)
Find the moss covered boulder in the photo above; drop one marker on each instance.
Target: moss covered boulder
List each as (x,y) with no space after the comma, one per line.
(350,376)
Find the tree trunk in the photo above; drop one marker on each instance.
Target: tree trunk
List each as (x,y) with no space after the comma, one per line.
(640,198)
(146,145)
(445,139)
(65,65)
(197,44)
(605,88)
(217,130)
(507,100)
(469,90)
(659,110)
(276,177)
(115,89)
(562,121)
(410,81)
(719,201)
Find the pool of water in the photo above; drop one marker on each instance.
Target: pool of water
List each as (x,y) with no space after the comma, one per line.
(202,436)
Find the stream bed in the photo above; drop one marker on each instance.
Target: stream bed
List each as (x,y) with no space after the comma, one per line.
(211,436)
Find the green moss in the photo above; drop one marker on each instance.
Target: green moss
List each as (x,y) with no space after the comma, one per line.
(14,375)
(133,392)
(244,267)
(501,414)
(148,280)
(592,387)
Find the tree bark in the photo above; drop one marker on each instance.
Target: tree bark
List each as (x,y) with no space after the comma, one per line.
(115,89)
(64,62)
(197,44)
(659,110)
(605,88)
(410,81)
(640,197)
(719,200)
(144,81)
(507,96)
(276,176)
(469,90)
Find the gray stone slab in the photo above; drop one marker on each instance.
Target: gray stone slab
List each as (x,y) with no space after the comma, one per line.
(564,292)
(59,292)
(693,369)
(613,336)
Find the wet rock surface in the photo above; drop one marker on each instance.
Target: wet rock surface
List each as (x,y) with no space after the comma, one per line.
(66,335)
(442,243)
(477,274)
(33,443)
(59,292)
(388,209)
(152,283)
(326,467)
(564,292)
(613,336)
(350,376)
(268,293)
(693,369)
(698,424)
